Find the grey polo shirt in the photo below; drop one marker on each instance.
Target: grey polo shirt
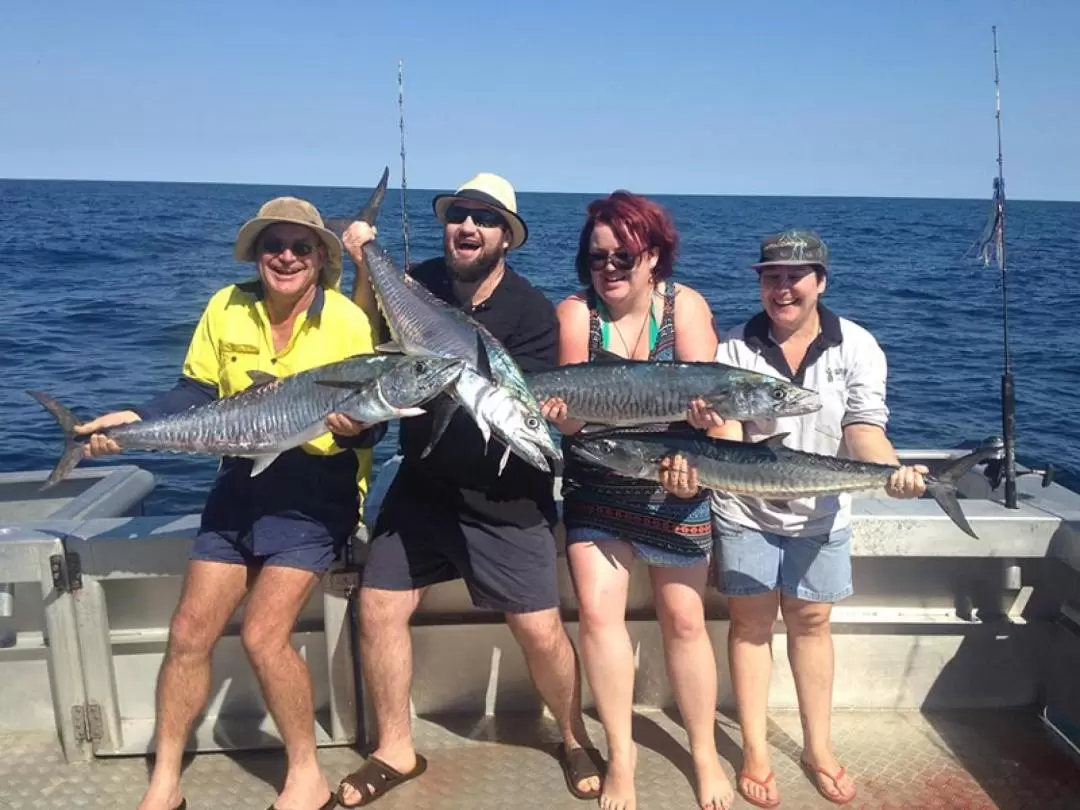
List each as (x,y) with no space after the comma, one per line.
(847,367)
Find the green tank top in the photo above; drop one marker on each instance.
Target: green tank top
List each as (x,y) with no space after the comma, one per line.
(605,325)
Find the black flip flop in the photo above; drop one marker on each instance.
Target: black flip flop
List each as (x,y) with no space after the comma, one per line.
(331,803)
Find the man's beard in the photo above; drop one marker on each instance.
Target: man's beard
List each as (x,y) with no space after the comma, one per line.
(475,270)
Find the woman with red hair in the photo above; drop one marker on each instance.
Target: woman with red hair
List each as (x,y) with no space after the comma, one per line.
(630,307)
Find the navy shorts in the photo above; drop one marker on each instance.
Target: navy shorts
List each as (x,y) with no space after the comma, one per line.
(289,542)
(421,539)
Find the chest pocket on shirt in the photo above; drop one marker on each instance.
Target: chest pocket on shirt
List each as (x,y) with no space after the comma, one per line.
(236,360)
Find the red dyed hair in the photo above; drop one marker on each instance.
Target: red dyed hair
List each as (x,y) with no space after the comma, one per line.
(639,225)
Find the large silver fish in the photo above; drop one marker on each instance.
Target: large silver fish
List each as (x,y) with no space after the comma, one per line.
(276,414)
(766,469)
(625,393)
(491,388)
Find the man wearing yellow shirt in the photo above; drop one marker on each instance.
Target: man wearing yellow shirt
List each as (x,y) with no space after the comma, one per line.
(270,537)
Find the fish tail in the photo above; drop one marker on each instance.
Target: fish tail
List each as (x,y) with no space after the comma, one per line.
(73,450)
(942,485)
(370,212)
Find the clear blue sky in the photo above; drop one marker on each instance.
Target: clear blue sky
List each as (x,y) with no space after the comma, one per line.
(829,97)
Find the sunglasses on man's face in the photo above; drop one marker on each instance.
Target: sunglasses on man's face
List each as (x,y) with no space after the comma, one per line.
(483,217)
(275,244)
(620,260)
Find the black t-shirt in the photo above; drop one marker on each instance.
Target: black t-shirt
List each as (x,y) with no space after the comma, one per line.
(523,320)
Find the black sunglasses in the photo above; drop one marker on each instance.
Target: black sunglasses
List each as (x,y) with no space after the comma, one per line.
(275,244)
(620,260)
(483,217)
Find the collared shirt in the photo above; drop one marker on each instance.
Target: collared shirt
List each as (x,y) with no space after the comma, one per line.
(326,478)
(847,368)
(459,467)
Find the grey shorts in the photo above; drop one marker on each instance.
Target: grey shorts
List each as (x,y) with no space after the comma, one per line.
(749,562)
(421,539)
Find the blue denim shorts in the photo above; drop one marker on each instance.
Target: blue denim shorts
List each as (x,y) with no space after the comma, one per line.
(749,562)
(272,540)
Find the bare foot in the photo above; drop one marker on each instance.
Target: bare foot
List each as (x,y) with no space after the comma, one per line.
(757,782)
(162,797)
(714,791)
(832,780)
(304,790)
(618,788)
(402,760)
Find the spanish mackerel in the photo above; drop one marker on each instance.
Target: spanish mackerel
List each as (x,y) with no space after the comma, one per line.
(625,393)
(276,414)
(766,469)
(491,388)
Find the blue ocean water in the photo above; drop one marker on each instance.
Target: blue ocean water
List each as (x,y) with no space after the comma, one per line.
(104,283)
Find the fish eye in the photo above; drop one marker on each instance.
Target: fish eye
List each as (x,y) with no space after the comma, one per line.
(779,394)
(532,423)
(420,367)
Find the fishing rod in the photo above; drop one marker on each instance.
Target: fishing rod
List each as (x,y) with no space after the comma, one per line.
(404,187)
(993,243)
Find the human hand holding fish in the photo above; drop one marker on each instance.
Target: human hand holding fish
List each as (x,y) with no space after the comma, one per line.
(344,425)
(99,444)
(907,482)
(554,410)
(355,236)
(678,477)
(701,416)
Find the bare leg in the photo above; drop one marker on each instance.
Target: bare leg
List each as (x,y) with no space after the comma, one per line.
(210,595)
(601,573)
(386,655)
(810,649)
(691,666)
(750,650)
(276,600)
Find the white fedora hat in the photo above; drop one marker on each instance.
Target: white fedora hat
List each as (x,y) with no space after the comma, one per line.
(496,193)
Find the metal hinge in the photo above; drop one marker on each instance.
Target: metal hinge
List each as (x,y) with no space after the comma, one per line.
(88,723)
(66,571)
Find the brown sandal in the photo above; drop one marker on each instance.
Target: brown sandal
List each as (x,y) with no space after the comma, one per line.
(381,778)
(578,764)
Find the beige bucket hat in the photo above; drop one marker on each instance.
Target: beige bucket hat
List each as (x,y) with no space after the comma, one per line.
(496,193)
(297,212)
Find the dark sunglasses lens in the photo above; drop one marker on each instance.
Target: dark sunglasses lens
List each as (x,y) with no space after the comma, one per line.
(456,214)
(620,261)
(275,245)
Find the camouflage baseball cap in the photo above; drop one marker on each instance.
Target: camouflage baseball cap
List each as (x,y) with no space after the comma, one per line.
(793,246)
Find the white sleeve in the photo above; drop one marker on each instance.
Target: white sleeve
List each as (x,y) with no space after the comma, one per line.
(866,372)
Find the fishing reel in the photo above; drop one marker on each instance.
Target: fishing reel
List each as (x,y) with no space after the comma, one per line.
(995,473)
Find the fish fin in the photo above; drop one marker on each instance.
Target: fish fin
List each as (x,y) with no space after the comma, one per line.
(504,459)
(604,356)
(483,362)
(73,450)
(942,485)
(390,347)
(774,442)
(260,463)
(261,377)
(592,428)
(405,413)
(370,212)
(336,224)
(442,420)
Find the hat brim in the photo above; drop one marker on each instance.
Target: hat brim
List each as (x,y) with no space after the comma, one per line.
(519,231)
(789,263)
(244,249)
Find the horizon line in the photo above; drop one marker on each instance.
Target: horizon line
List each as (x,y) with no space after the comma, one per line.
(521,191)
